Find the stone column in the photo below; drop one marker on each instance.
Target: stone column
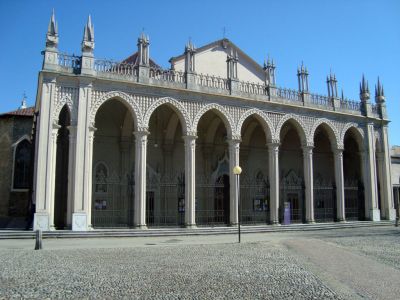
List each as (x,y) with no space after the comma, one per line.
(190,180)
(139,220)
(389,212)
(52,174)
(370,179)
(309,182)
(339,180)
(43,156)
(273,151)
(233,161)
(71,163)
(89,177)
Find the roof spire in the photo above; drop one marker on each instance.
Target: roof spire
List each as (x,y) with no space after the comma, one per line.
(52,32)
(88,36)
(23,102)
(379,93)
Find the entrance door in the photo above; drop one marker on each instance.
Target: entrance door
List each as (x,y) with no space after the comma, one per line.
(221,200)
(149,207)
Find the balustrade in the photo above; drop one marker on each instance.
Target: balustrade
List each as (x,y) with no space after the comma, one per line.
(115,70)
(109,66)
(321,100)
(289,94)
(69,61)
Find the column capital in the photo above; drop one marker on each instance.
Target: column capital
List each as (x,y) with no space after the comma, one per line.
(190,136)
(55,126)
(308,147)
(234,140)
(338,150)
(141,133)
(273,144)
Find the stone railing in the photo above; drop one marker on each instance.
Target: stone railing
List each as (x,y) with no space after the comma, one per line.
(252,88)
(115,69)
(71,62)
(209,81)
(211,84)
(346,104)
(288,94)
(320,100)
(167,75)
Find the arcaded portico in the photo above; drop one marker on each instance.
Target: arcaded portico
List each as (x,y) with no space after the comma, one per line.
(129,144)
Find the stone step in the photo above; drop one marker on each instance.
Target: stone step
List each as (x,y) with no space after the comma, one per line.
(99,233)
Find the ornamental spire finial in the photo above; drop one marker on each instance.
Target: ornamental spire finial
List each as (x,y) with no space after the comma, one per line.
(52,32)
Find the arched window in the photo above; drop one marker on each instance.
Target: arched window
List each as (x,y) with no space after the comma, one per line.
(22,163)
(101,178)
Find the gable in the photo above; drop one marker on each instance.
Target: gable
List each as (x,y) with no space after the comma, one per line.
(211,60)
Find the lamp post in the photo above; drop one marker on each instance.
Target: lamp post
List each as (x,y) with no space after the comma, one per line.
(237,170)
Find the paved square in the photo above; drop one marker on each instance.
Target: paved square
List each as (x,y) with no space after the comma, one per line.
(334,264)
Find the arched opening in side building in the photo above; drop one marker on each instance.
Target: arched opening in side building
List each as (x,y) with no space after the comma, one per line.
(212,171)
(165,185)
(254,182)
(324,176)
(113,166)
(62,158)
(352,171)
(292,199)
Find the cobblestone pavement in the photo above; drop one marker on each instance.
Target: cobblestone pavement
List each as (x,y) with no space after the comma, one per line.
(264,269)
(383,245)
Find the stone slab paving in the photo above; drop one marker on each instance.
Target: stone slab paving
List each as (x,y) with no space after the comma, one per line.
(223,271)
(383,245)
(368,277)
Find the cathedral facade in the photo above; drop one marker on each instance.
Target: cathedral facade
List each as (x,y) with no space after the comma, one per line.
(130,144)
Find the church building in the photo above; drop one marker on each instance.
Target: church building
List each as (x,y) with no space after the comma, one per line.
(132,145)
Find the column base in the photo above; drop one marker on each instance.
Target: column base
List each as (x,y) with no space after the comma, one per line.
(390,214)
(340,221)
(141,227)
(310,221)
(190,226)
(275,223)
(79,222)
(375,214)
(41,222)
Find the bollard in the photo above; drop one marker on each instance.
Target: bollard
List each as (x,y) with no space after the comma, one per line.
(38,243)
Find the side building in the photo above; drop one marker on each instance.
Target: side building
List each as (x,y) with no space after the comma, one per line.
(129,144)
(15,166)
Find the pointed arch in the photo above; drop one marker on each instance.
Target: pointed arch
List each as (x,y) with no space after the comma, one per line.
(221,112)
(358,134)
(264,121)
(176,107)
(171,127)
(66,100)
(299,125)
(124,98)
(331,129)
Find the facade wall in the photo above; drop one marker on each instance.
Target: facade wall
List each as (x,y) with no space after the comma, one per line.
(13,203)
(220,121)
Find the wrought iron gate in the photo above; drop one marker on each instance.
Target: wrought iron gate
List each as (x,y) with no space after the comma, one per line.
(324,200)
(112,204)
(354,200)
(255,199)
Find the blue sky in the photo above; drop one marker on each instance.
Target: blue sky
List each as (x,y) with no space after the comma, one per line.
(350,37)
